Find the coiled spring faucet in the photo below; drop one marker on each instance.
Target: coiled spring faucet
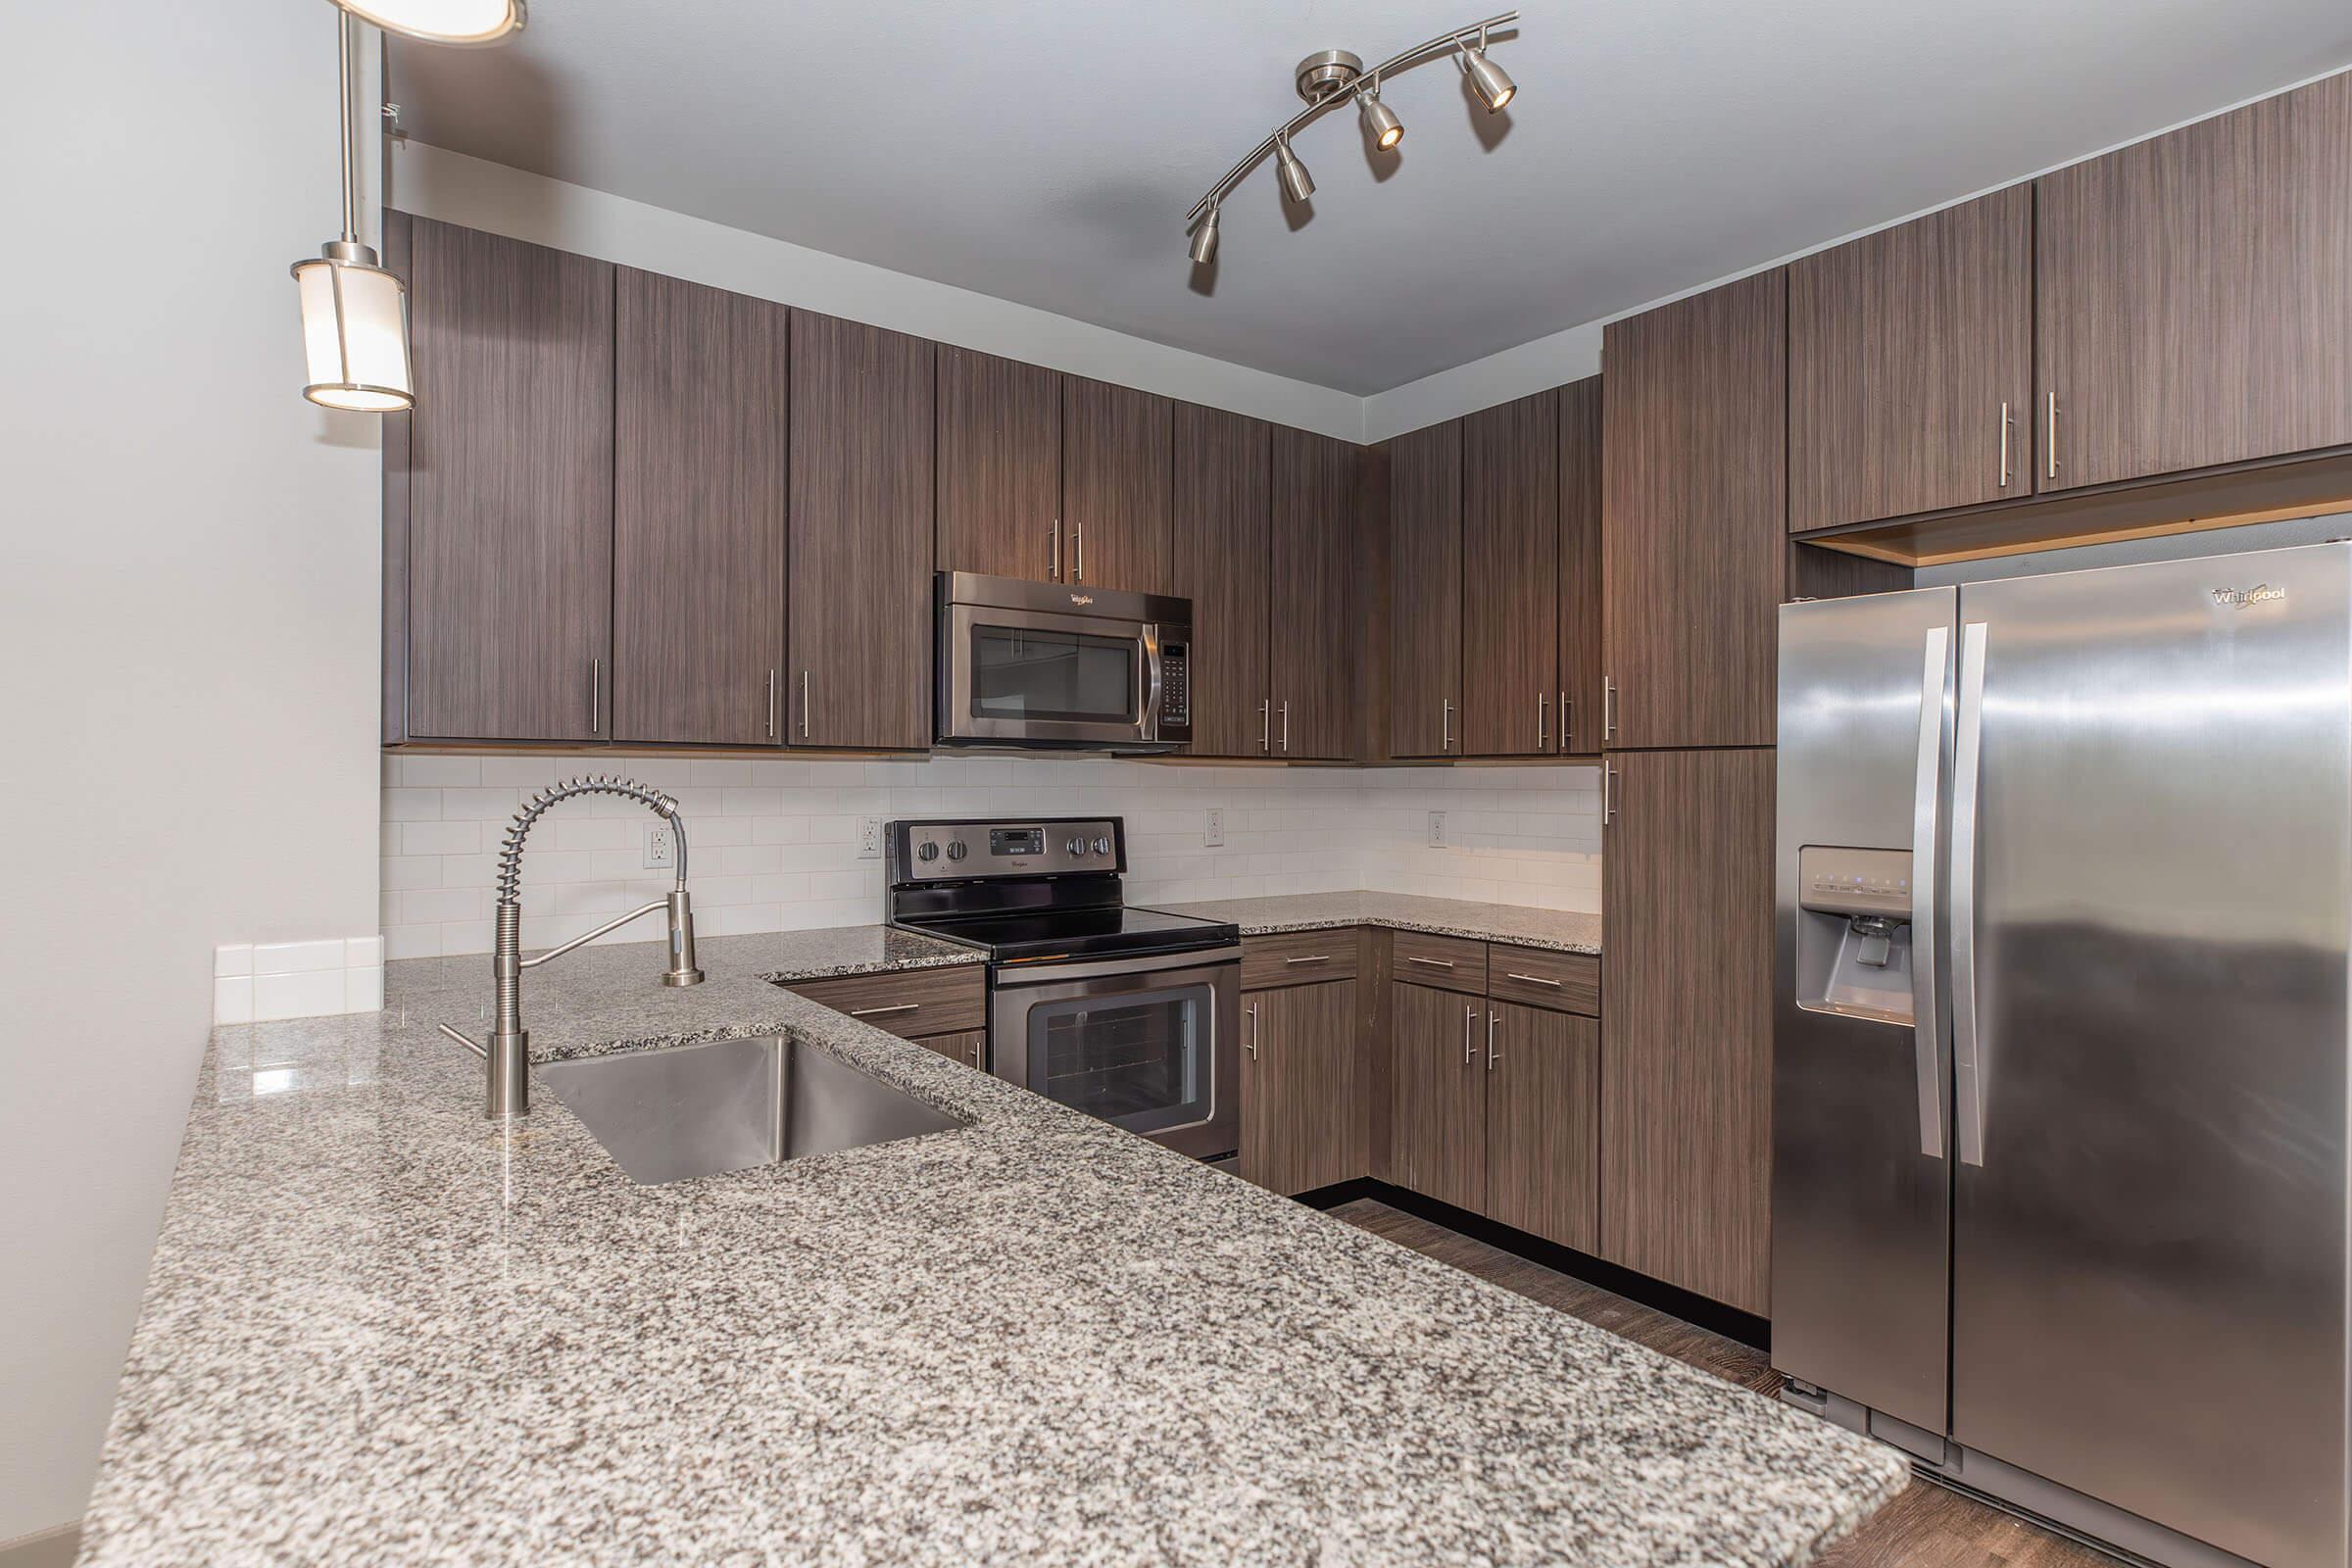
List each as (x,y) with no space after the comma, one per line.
(508,1052)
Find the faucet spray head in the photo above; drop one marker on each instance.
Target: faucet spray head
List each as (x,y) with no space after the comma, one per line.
(682,970)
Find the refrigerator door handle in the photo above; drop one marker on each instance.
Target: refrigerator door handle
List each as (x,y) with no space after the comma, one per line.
(1926,807)
(1968,1060)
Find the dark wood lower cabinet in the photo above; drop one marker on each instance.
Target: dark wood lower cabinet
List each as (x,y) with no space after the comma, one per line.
(1437,1095)
(970,1046)
(1543,1124)
(1302,1087)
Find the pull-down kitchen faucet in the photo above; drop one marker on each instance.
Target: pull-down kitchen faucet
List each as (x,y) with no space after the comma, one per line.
(509,1052)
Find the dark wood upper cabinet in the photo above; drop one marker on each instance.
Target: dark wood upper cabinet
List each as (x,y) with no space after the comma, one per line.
(1580,566)
(1220,558)
(1695,502)
(1116,473)
(510,484)
(1686,1073)
(859,673)
(1544,1124)
(1303,1092)
(1910,367)
(699,396)
(2192,300)
(1425,592)
(1437,1095)
(1511,578)
(999,467)
(1313,490)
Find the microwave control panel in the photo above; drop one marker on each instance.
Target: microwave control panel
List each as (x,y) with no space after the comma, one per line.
(1175,684)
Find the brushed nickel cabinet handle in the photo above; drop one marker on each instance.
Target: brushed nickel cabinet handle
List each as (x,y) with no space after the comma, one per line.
(1250,1038)
(1286,726)
(1542,724)
(771,705)
(1564,712)
(596,696)
(1055,570)
(1493,1055)
(1318,958)
(1445,725)
(2052,442)
(2004,442)
(1531,979)
(1265,725)
(884,1013)
(1434,963)
(1077,551)
(1608,709)
(1608,805)
(803,703)
(1469,1022)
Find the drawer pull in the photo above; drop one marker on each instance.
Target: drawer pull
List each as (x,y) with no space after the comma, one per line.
(880,1012)
(1531,979)
(1316,957)
(1434,963)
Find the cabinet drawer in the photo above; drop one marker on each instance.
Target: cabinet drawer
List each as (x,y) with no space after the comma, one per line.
(1451,964)
(1298,958)
(909,1002)
(1565,982)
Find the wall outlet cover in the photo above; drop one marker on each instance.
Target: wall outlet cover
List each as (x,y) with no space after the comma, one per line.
(1437,830)
(661,848)
(1215,836)
(870,838)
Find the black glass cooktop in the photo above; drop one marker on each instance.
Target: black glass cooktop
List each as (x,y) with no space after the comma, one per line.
(1033,935)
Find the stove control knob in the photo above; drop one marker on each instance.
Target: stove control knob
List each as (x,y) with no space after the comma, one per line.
(929,851)
(956,850)
(1101,846)
(1077,847)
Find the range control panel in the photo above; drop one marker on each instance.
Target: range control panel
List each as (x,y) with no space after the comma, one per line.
(1847,881)
(956,851)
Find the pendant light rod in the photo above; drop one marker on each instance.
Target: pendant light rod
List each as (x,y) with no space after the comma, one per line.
(1450,38)
(345,29)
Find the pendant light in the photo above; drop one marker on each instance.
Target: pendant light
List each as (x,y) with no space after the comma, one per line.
(354,315)
(452,21)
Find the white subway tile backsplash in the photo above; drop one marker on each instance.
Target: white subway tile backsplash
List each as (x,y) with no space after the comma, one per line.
(232,998)
(234,959)
(296,957)
(307,994)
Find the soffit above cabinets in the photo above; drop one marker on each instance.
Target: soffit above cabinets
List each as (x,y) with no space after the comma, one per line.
(1046,153)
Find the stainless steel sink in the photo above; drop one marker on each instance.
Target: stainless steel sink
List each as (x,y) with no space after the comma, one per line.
(730,1105)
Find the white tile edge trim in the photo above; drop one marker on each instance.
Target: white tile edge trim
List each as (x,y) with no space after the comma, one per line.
(263,982)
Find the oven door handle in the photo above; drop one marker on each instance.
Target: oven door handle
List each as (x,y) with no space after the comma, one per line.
(1021,977)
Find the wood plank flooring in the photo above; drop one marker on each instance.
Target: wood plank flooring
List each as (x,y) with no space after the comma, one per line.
(1925,1527)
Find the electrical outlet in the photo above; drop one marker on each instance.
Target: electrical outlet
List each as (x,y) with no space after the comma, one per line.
(1437,830)
(870,838)
(1215,837)
(661,848)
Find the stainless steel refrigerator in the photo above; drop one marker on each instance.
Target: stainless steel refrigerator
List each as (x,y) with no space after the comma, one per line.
(2059,1089)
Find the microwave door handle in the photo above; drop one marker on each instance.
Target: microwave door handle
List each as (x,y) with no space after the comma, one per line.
(1968,1063)
(1152,681)
(1927,811)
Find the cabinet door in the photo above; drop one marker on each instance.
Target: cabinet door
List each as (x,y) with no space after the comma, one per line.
(859,673)
(1686,1078)
(999,466)
(1579,567)
(697,513)
(1115,478)
(970,1046)
(1425,592)
(1221,558)
(1303,1084)
(2192,294)
(1694,470)
(1437,1095)
(1544,1124)
(509,490)
(1910,367)
(1310,647)
(1511,578)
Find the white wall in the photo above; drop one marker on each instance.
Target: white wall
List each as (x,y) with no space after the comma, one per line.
(772,844)
(188,569)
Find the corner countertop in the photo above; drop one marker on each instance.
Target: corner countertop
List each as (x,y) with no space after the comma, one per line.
(1560,930)
(381,1329)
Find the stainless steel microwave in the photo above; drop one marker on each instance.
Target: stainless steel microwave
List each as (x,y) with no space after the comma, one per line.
(1052,667)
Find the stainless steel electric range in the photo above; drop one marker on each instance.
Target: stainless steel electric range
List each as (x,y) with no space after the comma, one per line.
(1130,1015)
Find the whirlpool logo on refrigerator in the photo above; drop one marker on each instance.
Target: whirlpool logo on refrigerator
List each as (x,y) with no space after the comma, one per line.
(2262,593)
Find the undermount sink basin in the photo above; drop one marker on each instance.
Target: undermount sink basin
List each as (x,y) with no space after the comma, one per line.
(730,1105)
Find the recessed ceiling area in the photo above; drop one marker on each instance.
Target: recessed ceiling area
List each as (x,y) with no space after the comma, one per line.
(1045,152)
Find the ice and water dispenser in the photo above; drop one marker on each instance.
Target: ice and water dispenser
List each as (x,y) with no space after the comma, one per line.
(1853,940)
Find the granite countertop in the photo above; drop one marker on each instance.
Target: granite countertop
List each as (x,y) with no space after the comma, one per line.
(1560,930)
(381,1329)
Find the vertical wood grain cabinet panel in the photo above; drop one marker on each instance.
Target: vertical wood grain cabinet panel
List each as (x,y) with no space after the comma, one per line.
(1425,592)
(1219,561)
(1437,1095)
(1115,477)
(859,675)
(1303,1096)
(1685,1076)
(1580,566)
(509,490)
(2193,293)
(1313,490)
(1543,1124)
(999,466)
(1694,494)
(1511,578)
(1904,348)
(698,513)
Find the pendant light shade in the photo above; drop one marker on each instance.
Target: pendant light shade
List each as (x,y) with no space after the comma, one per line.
(355,332)
(452,21)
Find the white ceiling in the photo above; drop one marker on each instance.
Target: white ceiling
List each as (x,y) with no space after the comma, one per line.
(1046,151)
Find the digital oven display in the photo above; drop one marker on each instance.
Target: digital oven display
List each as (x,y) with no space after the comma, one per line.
(1016,841)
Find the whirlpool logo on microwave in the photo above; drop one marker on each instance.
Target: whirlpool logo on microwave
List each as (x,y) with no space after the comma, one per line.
(2262,593)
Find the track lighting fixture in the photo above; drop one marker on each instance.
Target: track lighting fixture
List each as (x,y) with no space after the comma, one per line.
(354,315)
(453,21)
(1330,77)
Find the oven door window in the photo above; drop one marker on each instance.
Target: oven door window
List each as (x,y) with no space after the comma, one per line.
(1063,676)
(1140,1059)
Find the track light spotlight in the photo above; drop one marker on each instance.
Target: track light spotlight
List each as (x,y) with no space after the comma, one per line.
(1204,239)
(1491,84)
(1297,183)
(1381,120)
